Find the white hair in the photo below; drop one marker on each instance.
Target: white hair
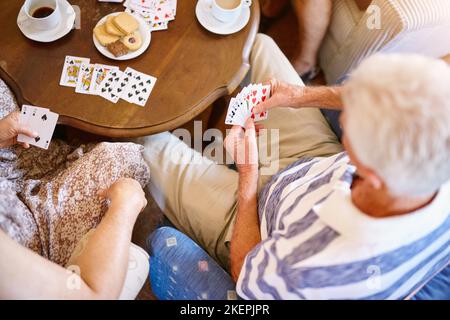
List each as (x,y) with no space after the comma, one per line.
(397,121)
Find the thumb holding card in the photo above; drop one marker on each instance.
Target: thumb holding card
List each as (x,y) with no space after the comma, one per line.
(10,128)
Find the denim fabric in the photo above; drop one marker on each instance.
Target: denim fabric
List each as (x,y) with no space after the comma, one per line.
(437,289)
(332,116)
(181,270)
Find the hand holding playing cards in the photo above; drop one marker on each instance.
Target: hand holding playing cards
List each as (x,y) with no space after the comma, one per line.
(10,128)
(126,195)
(282,95)
(241,144)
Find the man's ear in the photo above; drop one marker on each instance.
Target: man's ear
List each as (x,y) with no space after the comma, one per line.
(373,179)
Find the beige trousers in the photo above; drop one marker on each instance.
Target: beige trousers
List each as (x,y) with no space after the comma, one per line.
(200,198)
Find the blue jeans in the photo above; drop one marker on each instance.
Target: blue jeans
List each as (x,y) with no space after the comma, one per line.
(181,270)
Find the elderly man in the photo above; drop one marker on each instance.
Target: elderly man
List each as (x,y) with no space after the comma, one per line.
(369,223)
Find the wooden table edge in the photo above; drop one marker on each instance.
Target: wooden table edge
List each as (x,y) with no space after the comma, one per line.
(163,126)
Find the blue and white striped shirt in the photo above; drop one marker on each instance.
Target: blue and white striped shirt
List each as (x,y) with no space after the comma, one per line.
(317,245)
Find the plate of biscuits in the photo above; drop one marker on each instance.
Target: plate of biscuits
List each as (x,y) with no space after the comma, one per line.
(121,36)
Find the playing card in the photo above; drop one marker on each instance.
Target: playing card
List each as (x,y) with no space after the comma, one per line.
(85,78)
(108,86)
(121,88)
(138,8)
(41,120)
(259,93)
(171,3)
(159,26)
(24,117)
(234,116)
(241,107)
(98,75)
(153,11)
(69,75)
(163,13)
(144,16)
(139,87)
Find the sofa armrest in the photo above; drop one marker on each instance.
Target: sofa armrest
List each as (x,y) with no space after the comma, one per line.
(397,17)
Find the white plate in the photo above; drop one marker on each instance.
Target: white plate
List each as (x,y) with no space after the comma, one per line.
(207,20)
(65,25)
(144,30)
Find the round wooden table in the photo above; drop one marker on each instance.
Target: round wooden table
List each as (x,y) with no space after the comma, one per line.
(194,68)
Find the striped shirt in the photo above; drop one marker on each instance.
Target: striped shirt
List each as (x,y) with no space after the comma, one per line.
(317,245)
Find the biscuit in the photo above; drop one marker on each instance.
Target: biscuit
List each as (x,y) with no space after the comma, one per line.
(125,23)
(132,41)
(117,48)
(104,37)
(111,27)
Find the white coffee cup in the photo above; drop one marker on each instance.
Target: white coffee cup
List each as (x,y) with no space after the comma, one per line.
(228,14)
(46,23)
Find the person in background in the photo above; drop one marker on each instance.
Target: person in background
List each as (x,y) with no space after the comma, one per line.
(53,200)
(369,219)
(313,17)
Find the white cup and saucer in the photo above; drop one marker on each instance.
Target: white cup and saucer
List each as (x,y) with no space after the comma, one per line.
(223,16)
(46,20)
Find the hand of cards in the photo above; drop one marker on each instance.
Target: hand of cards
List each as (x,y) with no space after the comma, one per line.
(107,81)
(241,107)
(157,13)
(40,120)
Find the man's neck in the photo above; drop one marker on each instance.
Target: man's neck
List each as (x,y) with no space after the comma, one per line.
(381,204)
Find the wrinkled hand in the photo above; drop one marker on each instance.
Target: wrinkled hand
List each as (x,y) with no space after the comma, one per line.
(126,194)
(281,96)
(10,128)
(241,144)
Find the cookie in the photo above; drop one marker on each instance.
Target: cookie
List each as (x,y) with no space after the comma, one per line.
(112,29)
(132,41)
(125,23)
(104,37)
(117,48)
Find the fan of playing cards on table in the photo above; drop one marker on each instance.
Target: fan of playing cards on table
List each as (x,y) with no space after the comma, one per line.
(157,13)
(107,81)
(241,107)
(39,120)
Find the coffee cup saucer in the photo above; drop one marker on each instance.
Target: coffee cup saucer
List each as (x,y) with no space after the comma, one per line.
(64,26)
(210,23)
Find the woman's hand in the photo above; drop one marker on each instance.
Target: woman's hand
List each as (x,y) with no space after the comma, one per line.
(127,195)
(10,128)
(282,95)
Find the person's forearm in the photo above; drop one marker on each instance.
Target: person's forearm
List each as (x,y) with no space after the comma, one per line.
(318,97)
(103,266)
(103,262)
(246,234)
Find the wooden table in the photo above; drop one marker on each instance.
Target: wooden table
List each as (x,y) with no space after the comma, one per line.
(194,68)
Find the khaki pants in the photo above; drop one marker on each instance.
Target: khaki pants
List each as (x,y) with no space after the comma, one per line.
(200,199)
